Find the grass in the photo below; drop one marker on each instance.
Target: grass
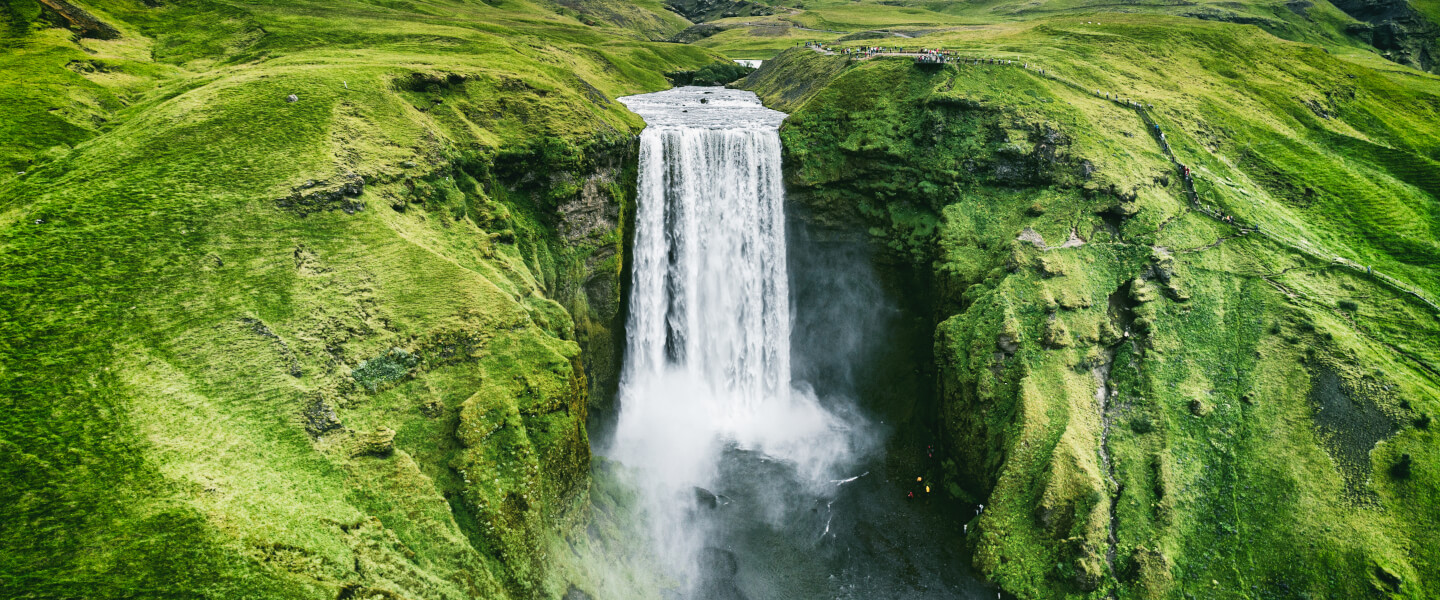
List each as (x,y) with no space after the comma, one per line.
(1218,478)
(218,306)
(182,289)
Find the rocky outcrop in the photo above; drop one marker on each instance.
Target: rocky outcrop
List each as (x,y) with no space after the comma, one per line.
(695,33)
(319,196)
(699,11)
(1401,33)
(1100,396)
(593,222)
(79,20)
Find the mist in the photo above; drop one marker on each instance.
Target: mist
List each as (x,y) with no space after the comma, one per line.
(752,347)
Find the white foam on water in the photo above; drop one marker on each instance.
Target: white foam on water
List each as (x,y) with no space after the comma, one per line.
(707,364)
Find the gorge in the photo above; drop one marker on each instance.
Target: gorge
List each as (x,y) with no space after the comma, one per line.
(454,299)
(744,467)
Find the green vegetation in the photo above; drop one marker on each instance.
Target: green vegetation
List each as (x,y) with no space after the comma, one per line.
(716,74)
(294,295)
(1151,403)
(314,299)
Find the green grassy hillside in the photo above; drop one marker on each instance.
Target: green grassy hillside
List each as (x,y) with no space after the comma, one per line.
(314,299)
(1152,402)
(1407,32)
(293,295)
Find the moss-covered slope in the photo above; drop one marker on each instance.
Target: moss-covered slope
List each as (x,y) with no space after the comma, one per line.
(298,299)
(1152,402)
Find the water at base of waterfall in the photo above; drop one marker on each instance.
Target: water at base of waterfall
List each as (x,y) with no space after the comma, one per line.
(753,487)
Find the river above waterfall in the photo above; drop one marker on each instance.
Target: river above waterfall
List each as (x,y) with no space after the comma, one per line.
(754,485)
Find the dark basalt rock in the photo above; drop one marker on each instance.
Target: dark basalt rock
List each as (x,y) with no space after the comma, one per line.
(575,593)
(718,563)
(305,200)
(717,575)
(695,33)
(1394,27)
(320,418)
(699,11)
(707,499)
(78,20)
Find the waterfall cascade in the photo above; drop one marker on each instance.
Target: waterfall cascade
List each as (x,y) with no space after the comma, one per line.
(707,366)
(753,488)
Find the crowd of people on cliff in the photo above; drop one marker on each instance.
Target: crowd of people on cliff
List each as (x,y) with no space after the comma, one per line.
(921,55)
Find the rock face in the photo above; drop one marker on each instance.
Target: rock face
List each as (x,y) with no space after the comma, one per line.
(319,196)
(1102,397)
(699,11)
(1401,33)
(320,418)
(398,397)
(80,20)
(695,33)
(593,218)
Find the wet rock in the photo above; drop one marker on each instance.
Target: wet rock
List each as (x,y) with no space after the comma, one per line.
(1162,265)
(706,499)
(592,213)
(1007,344)
(717,562)
(717,575)
(575,593)
(1089,571)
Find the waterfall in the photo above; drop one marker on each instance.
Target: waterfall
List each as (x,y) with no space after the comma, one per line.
(710,294)
(707,365)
